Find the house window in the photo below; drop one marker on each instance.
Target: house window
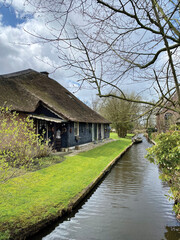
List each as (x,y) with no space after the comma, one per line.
(76,129)
(43,129)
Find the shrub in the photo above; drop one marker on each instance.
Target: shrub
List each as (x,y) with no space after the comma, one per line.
(150,131)
(166,153)
(19,144)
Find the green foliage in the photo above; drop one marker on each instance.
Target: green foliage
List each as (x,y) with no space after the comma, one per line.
(150,130)
(121,113)
(19,144)
(4,235)
(166,153)
(36,196)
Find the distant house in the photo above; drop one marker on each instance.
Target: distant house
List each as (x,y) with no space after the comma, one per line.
(64,119)
(166,117)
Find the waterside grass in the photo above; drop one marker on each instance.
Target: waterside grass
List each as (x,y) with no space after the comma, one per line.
(114,135)
(40,195)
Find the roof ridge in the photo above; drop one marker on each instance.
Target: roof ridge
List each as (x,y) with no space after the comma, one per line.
(15,74)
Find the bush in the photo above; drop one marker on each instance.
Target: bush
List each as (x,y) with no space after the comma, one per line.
(19,144)
(151,130)
(166,153)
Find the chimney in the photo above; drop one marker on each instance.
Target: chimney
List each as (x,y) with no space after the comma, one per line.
(45,73)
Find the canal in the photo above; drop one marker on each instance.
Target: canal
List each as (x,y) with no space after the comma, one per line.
(129,204)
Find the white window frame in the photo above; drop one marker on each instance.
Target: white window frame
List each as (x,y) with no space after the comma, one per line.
(92,131)
(97,131)
(102,131)
(76,126)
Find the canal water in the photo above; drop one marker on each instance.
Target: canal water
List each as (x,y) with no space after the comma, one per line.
(129,204)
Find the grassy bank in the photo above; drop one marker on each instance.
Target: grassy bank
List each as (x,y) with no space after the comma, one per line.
(114,135)
(36,196)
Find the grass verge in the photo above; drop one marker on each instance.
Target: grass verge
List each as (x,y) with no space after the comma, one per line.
(36,196)
(114,135)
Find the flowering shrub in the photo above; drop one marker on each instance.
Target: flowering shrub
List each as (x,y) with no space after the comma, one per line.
(19,144)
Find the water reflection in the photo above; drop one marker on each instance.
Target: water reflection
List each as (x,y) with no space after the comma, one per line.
(172,233)
(128,205)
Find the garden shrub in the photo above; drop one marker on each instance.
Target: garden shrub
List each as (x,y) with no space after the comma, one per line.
(166,153)
(150,131)
(19,144)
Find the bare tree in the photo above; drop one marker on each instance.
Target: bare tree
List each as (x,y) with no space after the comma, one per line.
(110,44)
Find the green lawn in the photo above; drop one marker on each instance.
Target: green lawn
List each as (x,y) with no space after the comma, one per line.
(35,196)
(114,135)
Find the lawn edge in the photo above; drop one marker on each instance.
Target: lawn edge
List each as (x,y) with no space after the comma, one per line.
(33,229)
(79,198)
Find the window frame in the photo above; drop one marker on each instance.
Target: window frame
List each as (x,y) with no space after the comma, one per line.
(76,126)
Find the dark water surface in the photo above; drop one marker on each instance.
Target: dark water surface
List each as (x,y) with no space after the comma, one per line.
(129,204)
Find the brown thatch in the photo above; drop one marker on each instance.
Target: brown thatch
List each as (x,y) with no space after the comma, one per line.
(26,89)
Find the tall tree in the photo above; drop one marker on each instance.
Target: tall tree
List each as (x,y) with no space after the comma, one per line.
(122,114)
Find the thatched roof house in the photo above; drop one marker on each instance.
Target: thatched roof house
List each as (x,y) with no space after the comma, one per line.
(51,105)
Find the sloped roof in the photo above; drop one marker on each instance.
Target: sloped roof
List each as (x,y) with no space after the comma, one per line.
(26,89)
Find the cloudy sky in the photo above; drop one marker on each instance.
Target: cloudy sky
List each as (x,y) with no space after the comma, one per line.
(19,50)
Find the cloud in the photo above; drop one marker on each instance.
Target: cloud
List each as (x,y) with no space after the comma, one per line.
(16,51)
(19,6)
(19,50)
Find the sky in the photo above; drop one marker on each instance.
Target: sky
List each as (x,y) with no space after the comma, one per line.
(19,50)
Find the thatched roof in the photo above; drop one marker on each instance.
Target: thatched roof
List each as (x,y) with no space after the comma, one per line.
(26,89)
